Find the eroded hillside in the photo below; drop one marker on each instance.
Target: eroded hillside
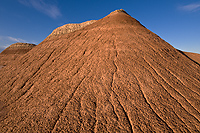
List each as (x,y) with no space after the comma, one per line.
(111,76)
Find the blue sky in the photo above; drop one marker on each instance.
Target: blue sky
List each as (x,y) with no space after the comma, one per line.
(176,21)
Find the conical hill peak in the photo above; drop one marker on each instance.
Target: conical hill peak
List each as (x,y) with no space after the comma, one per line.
(118,16)
(118,11)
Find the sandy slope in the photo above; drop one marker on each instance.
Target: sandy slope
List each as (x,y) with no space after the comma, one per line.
(111,76)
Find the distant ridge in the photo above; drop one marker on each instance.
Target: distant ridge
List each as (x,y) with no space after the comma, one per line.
(18,48)
(113,75)
(13,51)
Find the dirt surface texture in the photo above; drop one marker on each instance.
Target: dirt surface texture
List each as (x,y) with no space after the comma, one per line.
(113,75)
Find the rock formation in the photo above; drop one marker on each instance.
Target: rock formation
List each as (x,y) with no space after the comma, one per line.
(111,76)
(70,28)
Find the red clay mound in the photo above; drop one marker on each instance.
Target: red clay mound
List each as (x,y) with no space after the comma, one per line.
(18,48)
(111,76)
(13,51)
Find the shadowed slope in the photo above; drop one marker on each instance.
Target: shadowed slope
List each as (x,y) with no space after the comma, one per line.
(194,56)
(111,76)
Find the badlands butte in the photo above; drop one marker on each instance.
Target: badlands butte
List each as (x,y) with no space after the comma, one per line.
(109,75)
